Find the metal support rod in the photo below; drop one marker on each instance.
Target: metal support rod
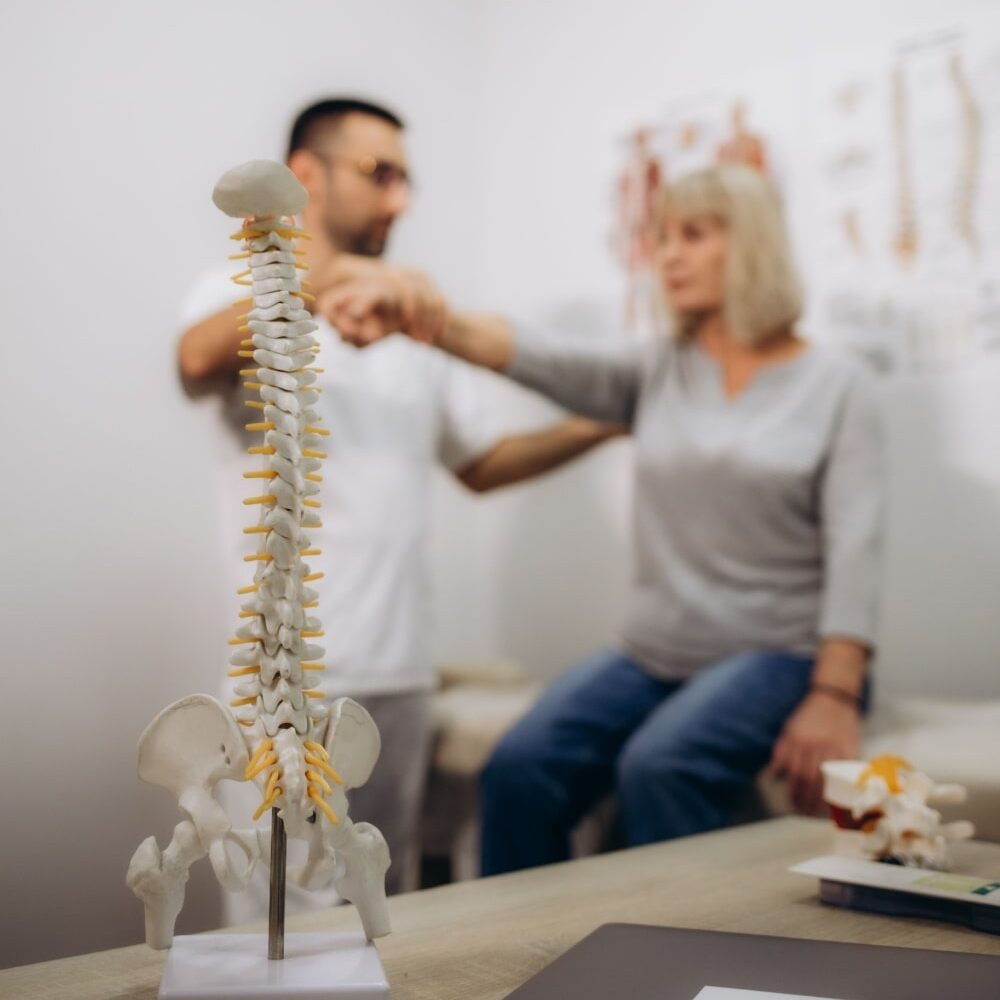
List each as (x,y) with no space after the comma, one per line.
(276,910)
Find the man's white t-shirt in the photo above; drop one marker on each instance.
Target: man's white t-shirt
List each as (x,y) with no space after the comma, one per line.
(394,410)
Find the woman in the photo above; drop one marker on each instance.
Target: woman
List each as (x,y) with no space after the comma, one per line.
(757,522)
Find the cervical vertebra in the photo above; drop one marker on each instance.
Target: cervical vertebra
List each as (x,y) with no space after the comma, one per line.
(302,755)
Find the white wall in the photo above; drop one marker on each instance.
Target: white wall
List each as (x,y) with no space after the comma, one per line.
(118,117)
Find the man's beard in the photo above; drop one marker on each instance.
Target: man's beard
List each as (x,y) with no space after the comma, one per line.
(370,242)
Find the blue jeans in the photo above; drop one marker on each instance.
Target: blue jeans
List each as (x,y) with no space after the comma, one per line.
(679,755)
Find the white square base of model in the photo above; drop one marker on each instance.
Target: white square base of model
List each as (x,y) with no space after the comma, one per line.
(236,966)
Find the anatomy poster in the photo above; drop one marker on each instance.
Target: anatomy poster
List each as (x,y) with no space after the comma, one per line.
(888,158)
(692,133)
(906,177)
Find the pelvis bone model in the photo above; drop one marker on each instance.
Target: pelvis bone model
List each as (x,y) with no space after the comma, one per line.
(303,756)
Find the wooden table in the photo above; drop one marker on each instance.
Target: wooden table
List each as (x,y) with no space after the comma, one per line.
(479,940)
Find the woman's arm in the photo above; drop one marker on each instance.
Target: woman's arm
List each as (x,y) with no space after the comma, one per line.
(372,300)
(827,723)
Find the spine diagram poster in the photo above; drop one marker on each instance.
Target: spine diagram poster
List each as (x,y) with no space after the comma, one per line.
(887,157)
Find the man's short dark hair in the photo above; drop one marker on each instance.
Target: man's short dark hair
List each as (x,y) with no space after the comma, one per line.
(313,121)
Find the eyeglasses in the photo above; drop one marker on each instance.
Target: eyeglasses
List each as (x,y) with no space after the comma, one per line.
(382,173)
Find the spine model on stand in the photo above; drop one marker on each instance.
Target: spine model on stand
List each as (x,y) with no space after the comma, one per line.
(277,731)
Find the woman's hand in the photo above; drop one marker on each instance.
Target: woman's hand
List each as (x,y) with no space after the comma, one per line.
(367,300)
(822,728)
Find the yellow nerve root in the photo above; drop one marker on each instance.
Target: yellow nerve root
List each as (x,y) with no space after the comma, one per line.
(315,747)
(318,778)
(272,790)
(268,802)
(272,781)
(243,671)
(324,767)
(317,797)
(262,748)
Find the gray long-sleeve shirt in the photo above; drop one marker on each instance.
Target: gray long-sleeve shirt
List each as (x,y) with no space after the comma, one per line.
(757,518)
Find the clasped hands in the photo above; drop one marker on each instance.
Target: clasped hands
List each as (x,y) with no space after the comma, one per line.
(365,300)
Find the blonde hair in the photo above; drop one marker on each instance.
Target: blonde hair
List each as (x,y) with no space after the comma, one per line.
(763,296)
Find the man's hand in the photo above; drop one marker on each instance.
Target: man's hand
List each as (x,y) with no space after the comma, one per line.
(822,728)
(367,300)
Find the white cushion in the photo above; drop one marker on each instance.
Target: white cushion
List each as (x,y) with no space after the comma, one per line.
(470,719)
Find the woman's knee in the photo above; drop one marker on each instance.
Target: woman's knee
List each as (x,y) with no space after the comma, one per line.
(641,768)
(511,771)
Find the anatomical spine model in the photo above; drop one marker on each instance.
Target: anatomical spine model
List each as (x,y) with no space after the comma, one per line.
(302,755)
(882,812)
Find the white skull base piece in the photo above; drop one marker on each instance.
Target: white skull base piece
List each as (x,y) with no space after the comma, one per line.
(303,756)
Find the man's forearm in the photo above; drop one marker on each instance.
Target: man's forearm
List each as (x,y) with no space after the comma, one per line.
(524,456)
(209,348)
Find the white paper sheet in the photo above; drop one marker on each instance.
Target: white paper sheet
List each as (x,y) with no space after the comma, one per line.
(727,993)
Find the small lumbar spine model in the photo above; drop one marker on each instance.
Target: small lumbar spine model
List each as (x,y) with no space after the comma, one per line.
(302,755)
(881,810)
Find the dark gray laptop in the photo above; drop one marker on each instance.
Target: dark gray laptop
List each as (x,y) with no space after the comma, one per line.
(636,962)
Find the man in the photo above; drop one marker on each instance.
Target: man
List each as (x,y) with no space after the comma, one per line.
(394,411)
